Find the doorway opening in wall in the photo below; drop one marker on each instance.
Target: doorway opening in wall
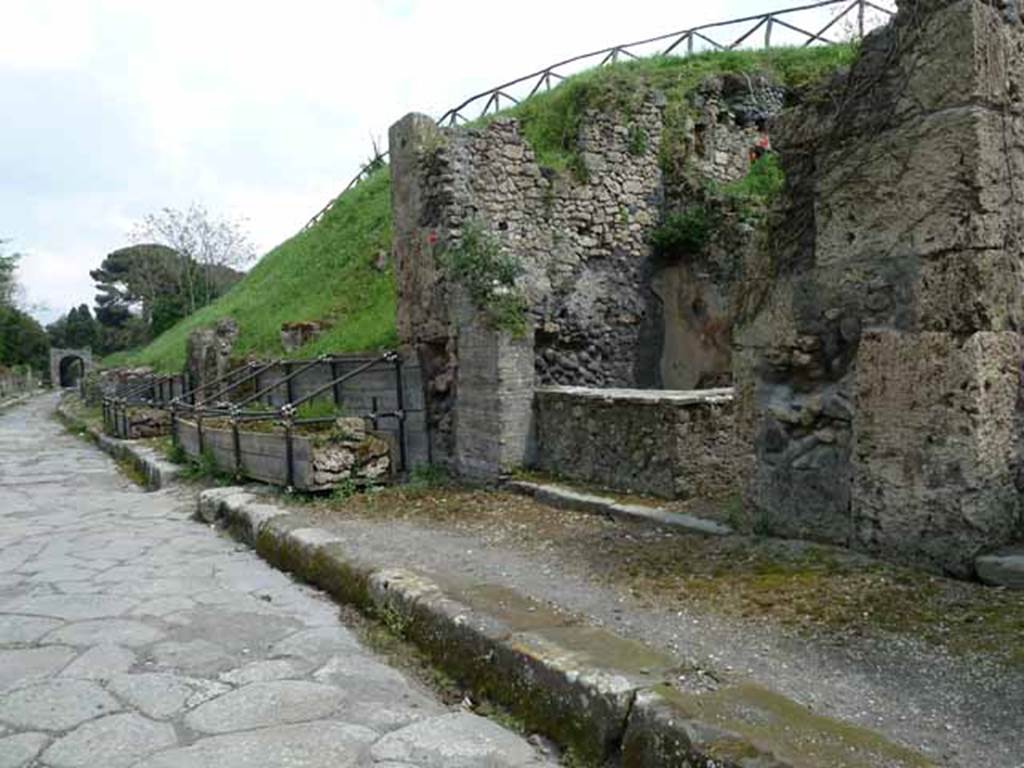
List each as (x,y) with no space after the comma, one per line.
(71,370)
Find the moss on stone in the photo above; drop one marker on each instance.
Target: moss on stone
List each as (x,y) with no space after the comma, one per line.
(780,727)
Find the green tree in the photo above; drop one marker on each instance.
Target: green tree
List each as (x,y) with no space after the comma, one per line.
(140,292)
(81,328)
(22,340)
(206,247)
(8,276)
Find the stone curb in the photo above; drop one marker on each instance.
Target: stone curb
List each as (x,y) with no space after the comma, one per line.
(159,472)
(13,401)
(566,498)
(603,696)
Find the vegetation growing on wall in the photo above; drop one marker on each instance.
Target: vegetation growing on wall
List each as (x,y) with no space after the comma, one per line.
(687,232)
(328,272)
(489,275)
(550,121)
(683,232)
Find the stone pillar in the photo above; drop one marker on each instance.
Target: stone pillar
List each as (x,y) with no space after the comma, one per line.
(881,369)
(477,379)
(494,406)
(425,328)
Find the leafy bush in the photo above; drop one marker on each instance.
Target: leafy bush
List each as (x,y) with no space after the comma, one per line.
(762,184)
(683,232)
(489,276)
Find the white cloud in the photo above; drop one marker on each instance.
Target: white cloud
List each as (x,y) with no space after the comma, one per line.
(45,34)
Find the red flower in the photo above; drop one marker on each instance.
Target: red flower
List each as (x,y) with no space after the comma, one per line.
(432,238)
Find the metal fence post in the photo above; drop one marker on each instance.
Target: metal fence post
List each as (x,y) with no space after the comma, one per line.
(400,401)
(861,8)
(289,388)
(337,386)
(236,440)
(289,450)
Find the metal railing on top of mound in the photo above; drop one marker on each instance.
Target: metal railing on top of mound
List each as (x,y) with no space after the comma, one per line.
(227,403)
(742,32)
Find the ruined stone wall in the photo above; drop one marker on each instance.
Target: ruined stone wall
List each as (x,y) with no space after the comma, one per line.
(879,372)
(208,354)
(583,243)
(672,444)
(598,306)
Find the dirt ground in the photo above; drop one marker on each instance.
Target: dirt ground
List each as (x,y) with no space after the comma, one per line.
(935,663)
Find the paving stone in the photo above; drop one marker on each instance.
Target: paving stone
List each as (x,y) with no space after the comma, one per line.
(194,657)
(456,740)
(25,629)
(146,628)
(310,745)
(70,607)
(18,666)
(100,663)
(265,671)
(19,750)
(117,631)
(318,644)
(161,695)
(264,704)
(116,741)
(162,606)
(56,705)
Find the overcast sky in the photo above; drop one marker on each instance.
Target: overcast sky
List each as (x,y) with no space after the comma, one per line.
(262,110)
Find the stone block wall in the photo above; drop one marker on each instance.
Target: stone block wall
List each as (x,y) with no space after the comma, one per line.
(583,244)
(493,411)
(598,302)
(671,444)
(879,373)
(15,383)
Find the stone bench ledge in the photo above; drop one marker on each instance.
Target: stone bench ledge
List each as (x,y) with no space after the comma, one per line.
(718,396)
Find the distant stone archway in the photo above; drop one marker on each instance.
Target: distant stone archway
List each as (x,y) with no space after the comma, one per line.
(67,366)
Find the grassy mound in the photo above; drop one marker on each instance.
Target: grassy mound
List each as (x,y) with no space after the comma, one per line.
(550,120)
(324,273)
(328,273)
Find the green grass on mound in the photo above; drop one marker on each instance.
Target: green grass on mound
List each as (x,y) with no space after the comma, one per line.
(324,273)
(550,120)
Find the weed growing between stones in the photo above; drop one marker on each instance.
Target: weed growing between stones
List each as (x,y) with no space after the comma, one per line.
(683,233)
(429,476)
(129,469)
(319,409)
(688,232)
(204,469)
(637,140)
(488,273)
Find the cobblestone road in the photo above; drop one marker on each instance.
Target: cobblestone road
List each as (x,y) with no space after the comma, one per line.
(132,636)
